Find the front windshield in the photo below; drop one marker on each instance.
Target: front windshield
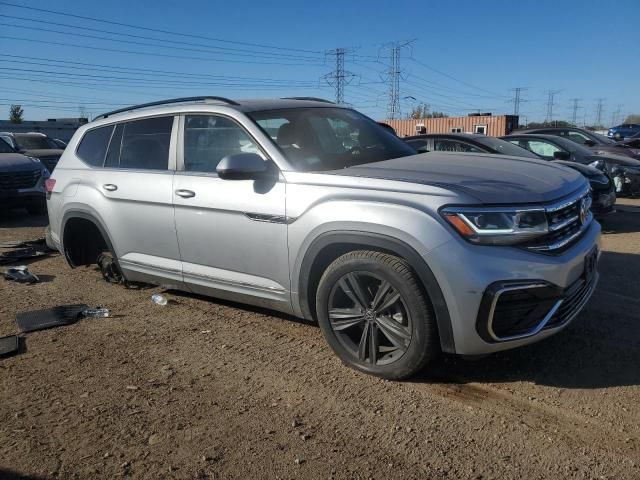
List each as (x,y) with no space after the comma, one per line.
(34,142)
(5,147)
(328,138)
(505,148)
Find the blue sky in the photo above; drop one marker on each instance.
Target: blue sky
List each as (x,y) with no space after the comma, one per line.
(464,56)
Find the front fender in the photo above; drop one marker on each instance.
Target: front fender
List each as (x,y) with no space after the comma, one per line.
(406,231)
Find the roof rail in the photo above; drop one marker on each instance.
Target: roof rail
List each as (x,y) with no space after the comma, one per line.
(314,99)
(165,102)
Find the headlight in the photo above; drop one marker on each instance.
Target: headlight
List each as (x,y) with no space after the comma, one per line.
(599,164)
(497,226)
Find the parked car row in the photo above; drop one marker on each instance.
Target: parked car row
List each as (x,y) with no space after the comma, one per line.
(602,186)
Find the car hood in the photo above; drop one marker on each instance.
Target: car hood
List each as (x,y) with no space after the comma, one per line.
(585,170)
(492,179)
(16,162)
(48,152)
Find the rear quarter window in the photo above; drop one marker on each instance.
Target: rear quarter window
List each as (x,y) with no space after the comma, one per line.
(93,145)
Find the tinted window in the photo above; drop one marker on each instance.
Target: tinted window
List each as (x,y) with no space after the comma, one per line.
(34,142)
(210,138)
(93,145)
(113,154)
(5,147)
(443,145)
(505,148)
(327,138)
(542,148)
(145,144)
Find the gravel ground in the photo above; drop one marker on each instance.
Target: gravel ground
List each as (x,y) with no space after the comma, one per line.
(207,389)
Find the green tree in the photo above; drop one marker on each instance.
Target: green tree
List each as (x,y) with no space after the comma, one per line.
(633,118)
(422,111)
(15,114)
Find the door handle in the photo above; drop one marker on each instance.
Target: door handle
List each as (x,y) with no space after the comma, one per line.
(110,187)
(185,193)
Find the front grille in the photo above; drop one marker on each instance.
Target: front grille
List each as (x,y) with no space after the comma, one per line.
(50,161)
(567,221)
(18,180)
(574,299)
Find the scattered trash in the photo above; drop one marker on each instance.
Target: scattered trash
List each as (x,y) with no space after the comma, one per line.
(50,317)
(205,331)
(21,274)
(97,312)
(9,345)
(109,268)
(159,299)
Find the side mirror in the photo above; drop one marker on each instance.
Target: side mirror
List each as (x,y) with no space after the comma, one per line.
(560,155)
(242,166)
(423,149)
(590,143)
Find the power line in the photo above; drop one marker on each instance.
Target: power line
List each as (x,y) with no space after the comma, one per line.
(393,77)
(599,110)
(153,54)
(615,118)
(517,99)
(575,107)
(157,30)
(339,77)
(550,104)
(235,51)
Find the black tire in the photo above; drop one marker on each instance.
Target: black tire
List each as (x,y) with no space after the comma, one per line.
(379,278)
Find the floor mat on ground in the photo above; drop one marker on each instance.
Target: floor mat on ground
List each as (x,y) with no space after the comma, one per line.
(38,242)
(50,317)
(22,254)
(9,345)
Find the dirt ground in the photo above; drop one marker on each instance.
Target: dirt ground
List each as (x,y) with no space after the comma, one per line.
(205,389)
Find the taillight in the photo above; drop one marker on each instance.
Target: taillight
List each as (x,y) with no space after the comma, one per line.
(49,183)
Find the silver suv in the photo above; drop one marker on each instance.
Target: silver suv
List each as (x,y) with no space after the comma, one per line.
(312,209)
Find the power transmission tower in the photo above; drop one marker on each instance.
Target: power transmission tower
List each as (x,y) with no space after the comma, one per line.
(550,97)
(599,110)
(574,116)
(339,77)
(615,117)
(393,74)
(517,99)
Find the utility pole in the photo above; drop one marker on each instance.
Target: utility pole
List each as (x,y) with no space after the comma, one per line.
(393,74)
(517,99)
(339,77)
(599,110)
(574,116)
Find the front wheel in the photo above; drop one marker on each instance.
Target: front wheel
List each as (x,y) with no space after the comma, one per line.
(375,316)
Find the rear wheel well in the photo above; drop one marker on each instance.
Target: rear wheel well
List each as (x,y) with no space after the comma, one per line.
(83,241)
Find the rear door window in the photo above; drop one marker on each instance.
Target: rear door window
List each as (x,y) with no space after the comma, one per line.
(93,145)
(145,144)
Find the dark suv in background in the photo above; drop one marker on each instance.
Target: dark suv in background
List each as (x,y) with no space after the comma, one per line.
(21,181)
(35,144)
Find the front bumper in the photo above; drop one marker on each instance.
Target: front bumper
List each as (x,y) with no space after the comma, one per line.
(23,198)
(466,272)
